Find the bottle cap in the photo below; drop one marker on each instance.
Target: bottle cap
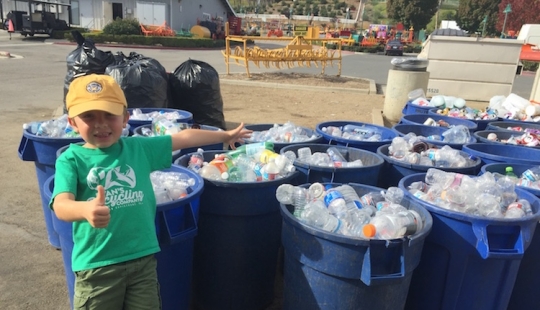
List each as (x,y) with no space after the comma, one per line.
(369,230)
(509,169)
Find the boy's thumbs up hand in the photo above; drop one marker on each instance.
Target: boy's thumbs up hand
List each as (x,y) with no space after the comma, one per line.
(98,214)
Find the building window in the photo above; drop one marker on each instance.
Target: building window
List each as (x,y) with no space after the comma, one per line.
(75,13)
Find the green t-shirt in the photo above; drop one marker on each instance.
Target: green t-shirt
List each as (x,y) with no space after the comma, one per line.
(123,169)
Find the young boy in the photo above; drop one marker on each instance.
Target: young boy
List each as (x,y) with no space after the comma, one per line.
(104,188)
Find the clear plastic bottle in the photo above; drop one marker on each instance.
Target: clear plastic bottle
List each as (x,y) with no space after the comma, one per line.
(285,165)
(532,174)
(196,161)
(457,134)
(337,158)
(304,154)
(317,190)
(390,226)
(284,194)
(509,171)
(270,171)
(436,176)
(336,204)
(394,195)
(317,215)
(210,172)
(250,164)
(357,220)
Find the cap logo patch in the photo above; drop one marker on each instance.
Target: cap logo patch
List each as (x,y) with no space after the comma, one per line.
(94,87)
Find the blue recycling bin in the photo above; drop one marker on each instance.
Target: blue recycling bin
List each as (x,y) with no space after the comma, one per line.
(367,174)
(426,131)
(176,228)
(420,119)
(469,262)
(185,117)
(177,154)
(394,170)
(480,123)
(236,249)
(387,135)
(525,293)
(315,136)
(330,271)
(42,151)
(504,125)
(482,136)
(411,108)
(497,153)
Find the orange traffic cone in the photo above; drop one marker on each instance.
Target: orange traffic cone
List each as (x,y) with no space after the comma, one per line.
(10,28)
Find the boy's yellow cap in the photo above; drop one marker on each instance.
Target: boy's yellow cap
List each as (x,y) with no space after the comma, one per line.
(95,92)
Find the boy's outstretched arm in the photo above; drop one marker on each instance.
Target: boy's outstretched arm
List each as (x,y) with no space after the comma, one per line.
(198,137)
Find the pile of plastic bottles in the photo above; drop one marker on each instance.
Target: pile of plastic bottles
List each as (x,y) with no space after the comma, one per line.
(418,97)
(484,196)
(526,139)
(252,162)
(377,215)
(55,128)
(469,113)
(331,158)
(285,133)
(137,114)
(411,149)
(529,178)
(455,134)
(169,186)
(354,132)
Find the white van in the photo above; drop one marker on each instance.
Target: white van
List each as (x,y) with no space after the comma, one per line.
(530,33)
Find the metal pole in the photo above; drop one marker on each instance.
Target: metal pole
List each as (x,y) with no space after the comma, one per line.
(504,25)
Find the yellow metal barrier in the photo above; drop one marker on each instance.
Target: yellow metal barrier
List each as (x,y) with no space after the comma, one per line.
(300,51)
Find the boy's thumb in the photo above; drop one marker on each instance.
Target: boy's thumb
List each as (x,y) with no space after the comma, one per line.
(100,195)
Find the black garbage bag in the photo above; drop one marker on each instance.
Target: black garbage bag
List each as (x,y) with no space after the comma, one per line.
(143,79)
(195,88)
(85,59)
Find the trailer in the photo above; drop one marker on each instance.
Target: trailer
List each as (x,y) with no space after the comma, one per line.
(40,18)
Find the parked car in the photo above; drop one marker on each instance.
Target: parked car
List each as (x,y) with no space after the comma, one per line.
(394,47)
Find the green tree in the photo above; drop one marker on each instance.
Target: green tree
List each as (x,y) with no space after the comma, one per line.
(471,14)
(416,13)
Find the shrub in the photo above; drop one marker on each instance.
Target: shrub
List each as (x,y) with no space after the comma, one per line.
(126,26)
(529,65)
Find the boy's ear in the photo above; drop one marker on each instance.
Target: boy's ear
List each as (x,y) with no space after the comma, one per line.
(72,123)
(126,118)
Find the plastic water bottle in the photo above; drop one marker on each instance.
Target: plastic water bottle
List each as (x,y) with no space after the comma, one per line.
(284,194)
(394,195)
(270,171)
(196,161)
(457,134)
(390,226)
(210,172)
(304,154)
(336,204)
(436,176)
(336,157)
(317,215)
(532,174)
(317,190)
(297,196)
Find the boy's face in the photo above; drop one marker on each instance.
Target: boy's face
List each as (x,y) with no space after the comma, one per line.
(99,129)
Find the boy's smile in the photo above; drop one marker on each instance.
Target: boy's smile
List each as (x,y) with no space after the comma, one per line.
(99,129)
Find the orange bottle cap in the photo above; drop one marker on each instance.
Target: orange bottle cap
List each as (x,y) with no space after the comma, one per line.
(369,230)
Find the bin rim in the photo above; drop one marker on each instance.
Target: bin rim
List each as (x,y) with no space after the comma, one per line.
(287,216)
(478,136)
(381,149)
(472,126)
(380,159)
(339,123)
(516,149)
(472,139)
(205,127)
(469,217)
(239,185)
(149,109)
(196,190)
(34,137)
(485,168)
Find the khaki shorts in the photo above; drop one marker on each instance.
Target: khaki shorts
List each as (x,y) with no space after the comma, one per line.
(128,285)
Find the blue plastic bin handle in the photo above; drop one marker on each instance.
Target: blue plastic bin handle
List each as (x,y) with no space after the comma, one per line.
(26,150)
(187,233)
(485,251)
(381,279)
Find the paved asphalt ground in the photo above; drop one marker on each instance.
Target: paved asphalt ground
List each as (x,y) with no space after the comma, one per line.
(31,275)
